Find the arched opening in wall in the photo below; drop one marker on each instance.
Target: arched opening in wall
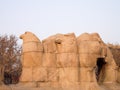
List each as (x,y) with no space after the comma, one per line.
(99,68)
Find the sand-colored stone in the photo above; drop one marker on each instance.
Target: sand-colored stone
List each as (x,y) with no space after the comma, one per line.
(25,85)
(89,50)
(27,74)
(53,74)
(92,47)
(67,60)
(95,37)
(66,43)
(87,75)
(39,74)
(60,43)
(32,53)
(32,46)
(49,60)
(32,49)
(68,75)
(29,37)
(64,61)
(87,60)
(110,70)
(44,84)
(33,59)
(118,75)
(49,45)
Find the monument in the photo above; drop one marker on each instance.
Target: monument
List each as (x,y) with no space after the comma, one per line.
(66,61)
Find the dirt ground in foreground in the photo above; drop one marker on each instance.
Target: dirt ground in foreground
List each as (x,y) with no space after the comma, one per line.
(20,87)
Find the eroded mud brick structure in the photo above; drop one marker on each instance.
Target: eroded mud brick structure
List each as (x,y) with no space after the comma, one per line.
(65,61)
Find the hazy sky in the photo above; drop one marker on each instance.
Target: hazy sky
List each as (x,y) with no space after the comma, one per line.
(48,17)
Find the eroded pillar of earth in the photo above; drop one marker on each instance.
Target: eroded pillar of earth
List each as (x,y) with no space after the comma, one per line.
(67,59)
(89,49)
(32,51)
(49,62)
(61,60)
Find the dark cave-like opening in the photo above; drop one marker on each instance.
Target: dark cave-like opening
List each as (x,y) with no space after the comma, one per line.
(100,63)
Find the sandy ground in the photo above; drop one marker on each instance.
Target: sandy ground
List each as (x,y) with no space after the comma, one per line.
(11,87)
(19,87)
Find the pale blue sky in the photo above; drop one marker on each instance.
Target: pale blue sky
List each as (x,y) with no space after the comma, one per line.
(48,17)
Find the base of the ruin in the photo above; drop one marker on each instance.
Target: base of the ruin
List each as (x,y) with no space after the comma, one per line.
(43,86)
(76,86)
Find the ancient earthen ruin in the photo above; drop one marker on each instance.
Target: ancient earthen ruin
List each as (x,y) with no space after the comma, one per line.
(67,61)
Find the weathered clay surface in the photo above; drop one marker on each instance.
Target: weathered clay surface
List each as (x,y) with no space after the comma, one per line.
(118,75)
(32,53)
(66,61)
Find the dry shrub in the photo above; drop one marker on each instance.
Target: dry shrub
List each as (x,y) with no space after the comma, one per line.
(10,53)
